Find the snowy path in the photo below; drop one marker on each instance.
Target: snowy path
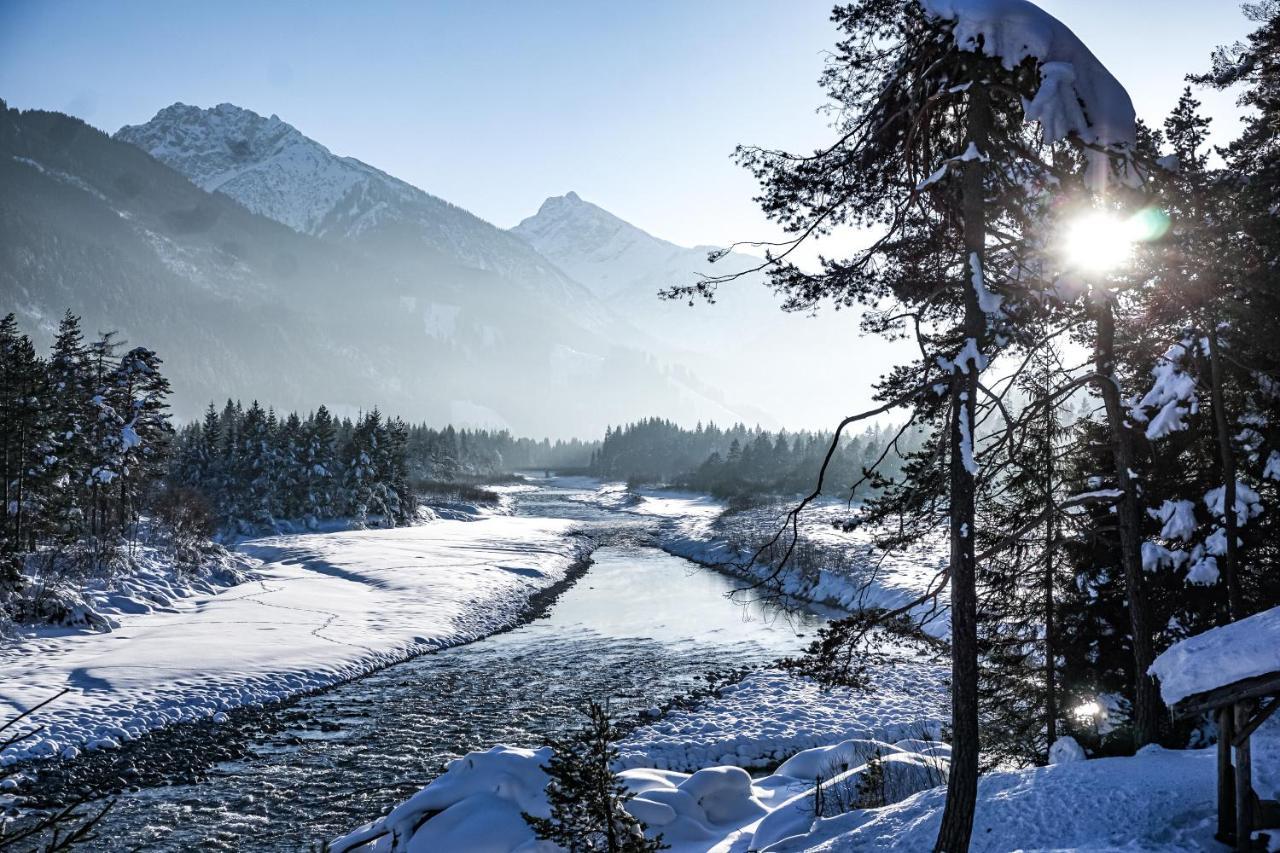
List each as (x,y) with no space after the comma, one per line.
(323,608)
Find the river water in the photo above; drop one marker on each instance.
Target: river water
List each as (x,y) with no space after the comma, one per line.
(638,629)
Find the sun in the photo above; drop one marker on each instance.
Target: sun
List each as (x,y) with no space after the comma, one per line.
(1101,241)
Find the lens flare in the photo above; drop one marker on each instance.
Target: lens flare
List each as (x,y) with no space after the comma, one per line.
(1099,241)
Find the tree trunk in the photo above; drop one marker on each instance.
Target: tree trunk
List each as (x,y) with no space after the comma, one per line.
(1228,561)
(1146,704)
(1050,545)
(962,781)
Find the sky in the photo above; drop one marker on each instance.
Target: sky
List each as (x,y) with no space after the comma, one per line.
(495,106)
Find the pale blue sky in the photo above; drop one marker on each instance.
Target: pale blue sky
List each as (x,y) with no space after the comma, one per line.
(496,105)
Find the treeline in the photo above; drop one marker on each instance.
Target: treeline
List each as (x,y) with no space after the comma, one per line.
(460,454)
(741,461)
(83,437)
(252,468)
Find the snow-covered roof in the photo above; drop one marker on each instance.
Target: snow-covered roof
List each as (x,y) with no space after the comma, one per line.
(1220,656)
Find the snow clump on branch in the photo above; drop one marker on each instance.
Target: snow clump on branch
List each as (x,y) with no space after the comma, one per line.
(1077,95)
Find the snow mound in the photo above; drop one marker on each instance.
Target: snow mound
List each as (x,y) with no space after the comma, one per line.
(1157,800)
(477,804)
(1077,95)
(1220,656)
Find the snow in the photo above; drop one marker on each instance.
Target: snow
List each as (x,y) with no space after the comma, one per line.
(1203,572)
(1179,518)
(1157,800)
(1077,95)
(1220,656)
(1248,504)
(476,805)
(323,608)
(770,716)
(1173,393)
(1064,750)
(988,301)
(966,442)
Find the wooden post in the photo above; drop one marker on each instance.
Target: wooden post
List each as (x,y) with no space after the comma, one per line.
(1226,777)
(1244,781)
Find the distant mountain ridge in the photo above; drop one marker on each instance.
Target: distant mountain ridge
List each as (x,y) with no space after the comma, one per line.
(618,261)
(396,313)
(273,169)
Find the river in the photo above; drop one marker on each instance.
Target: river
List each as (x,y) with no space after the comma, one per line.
(637,629)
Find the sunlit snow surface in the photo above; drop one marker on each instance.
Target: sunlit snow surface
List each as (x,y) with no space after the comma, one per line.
(324,608)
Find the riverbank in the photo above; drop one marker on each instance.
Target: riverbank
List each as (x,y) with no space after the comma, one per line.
(828,566)
(322,609)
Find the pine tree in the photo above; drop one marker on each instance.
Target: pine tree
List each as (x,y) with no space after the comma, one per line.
(320,466)
(587,800)
(140,400)
(70,415)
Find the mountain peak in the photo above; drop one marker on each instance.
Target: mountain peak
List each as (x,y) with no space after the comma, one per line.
(234,150)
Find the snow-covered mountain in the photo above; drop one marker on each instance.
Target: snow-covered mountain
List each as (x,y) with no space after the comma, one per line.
(612,257)
(743,344)
(273,169)
(410,304)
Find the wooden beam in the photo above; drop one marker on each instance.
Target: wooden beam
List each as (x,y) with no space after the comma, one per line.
(1229,694)
(1226,778)
(1258,719)
(1244,781)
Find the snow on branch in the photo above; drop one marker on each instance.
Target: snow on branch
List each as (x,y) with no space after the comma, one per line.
(1077,95)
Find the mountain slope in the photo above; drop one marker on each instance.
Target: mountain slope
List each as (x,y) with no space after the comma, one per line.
(273,169)
(743,344)
(612,257)
(240,305)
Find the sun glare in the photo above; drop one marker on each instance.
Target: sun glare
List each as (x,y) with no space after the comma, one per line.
(1099,241)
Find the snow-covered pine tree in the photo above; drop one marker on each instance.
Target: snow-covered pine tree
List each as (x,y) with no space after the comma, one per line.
(1021,582)
(320,465)
(26,451)
(291,481)
(70,414)
(104,449)
(587,800)
(140,400)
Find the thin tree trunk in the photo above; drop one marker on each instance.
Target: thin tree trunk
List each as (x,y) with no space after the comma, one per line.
(962,781)
(1050,545)
(1146,705)
(1229,562)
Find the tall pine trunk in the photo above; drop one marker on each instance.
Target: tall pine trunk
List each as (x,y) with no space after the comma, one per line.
(1229,561)
(962,781)
(1146,704)
(1050,557)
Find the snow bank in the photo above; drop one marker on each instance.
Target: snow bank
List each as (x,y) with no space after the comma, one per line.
(846,571)
(1077,94)
(477,804)
(1220,656)
(770,716)
(146,581)
(1156,800)
(323,608)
